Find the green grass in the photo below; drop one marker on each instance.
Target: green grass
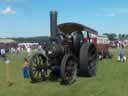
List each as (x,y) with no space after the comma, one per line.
(111,80)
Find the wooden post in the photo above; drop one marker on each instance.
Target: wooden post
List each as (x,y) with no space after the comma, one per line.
(7,70)
(7,62)
(7,73)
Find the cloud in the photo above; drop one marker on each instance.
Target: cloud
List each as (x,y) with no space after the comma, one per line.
(8,10)
(7,1)
(111,12)
(14,1)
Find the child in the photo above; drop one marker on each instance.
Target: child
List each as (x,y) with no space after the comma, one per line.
(121,56)
(25,68)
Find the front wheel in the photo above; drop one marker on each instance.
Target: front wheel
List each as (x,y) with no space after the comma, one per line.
(38,67)
(68,69)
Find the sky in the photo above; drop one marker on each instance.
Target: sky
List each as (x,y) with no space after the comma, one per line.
(28,18)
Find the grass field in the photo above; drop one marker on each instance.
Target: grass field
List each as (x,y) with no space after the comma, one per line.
(111,80)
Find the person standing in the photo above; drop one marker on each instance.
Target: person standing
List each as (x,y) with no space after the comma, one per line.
(3,54)
(29,51)
(121,56)
(25,68)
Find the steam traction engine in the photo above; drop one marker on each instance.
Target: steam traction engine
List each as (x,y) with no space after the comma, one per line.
(67,55)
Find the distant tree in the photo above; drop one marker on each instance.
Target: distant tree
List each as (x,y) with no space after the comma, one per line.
(111,36)
(39,39)
(120,36)
(106,34)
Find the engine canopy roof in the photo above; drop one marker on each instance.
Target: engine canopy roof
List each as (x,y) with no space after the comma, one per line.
(70,27)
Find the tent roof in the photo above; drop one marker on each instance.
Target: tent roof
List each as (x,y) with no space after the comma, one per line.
(3,40)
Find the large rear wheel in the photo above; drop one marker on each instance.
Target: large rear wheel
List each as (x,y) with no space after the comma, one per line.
(88,58)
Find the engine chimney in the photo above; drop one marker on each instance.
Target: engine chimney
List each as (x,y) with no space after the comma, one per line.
(53,24)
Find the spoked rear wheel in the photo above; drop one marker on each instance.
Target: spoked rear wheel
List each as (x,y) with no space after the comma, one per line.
(38,67)
(68,69)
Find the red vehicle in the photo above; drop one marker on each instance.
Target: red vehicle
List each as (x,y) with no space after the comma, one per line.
(102,44)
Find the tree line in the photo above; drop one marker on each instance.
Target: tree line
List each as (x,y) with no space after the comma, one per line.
(39,39)
(42,39)
(113,36)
